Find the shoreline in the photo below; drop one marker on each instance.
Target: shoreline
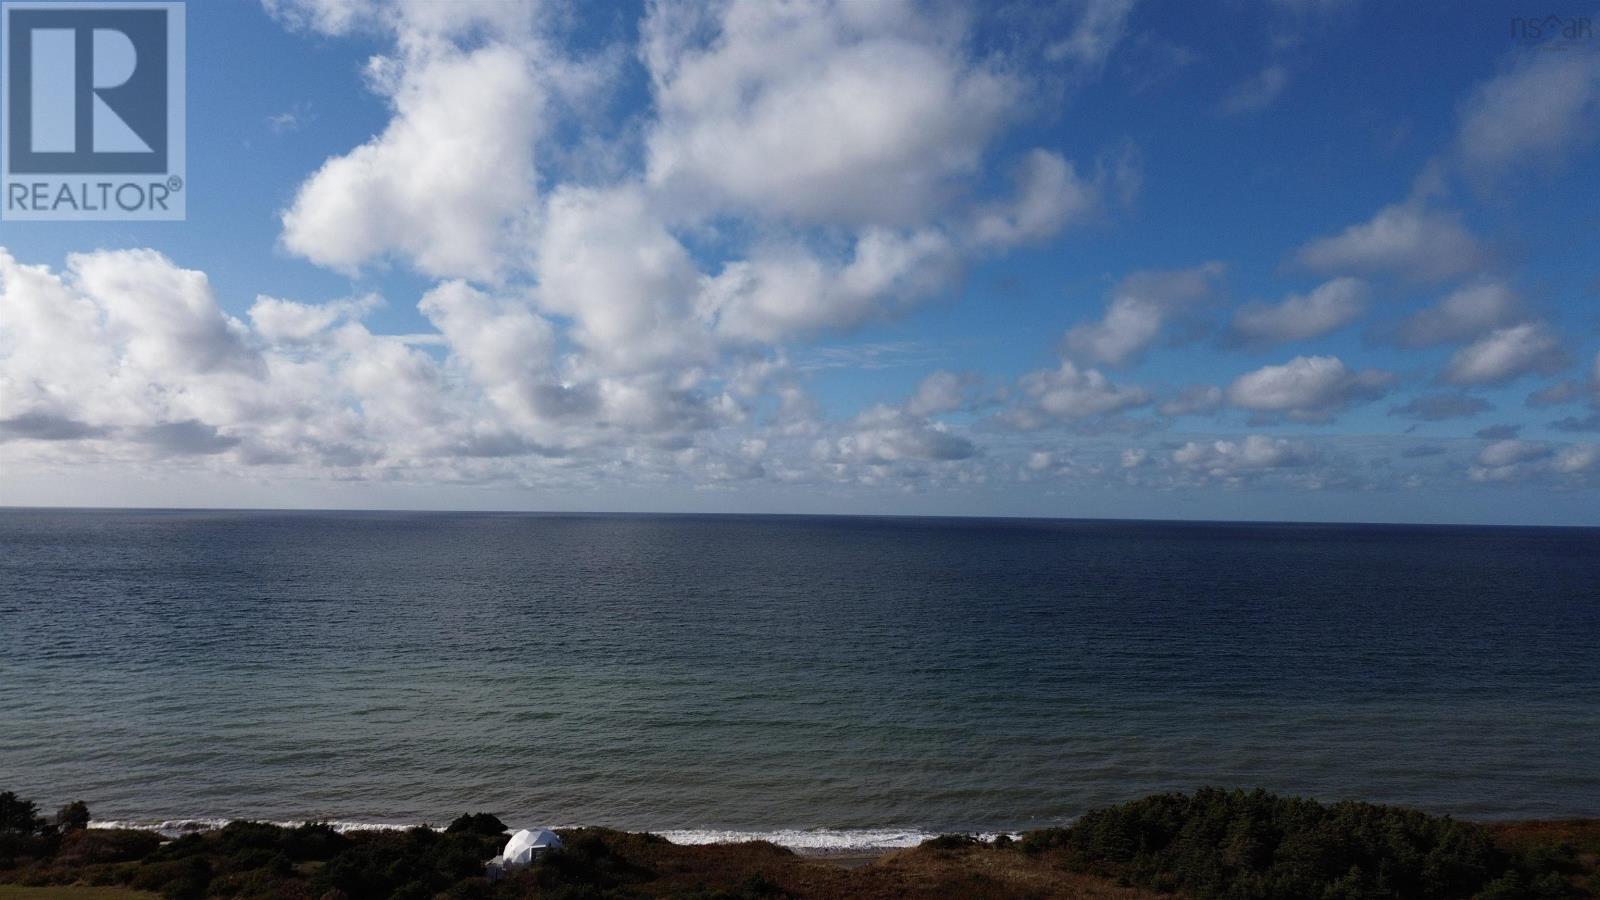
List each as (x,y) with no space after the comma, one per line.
(825,843)
(1188,844)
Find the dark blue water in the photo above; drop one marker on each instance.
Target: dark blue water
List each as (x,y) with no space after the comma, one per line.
(768,673)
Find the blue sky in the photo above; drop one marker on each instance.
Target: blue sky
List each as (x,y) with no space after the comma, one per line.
(1285,260)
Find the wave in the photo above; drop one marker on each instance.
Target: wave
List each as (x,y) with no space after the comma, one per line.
(814,840)
(174,828)
(810,841)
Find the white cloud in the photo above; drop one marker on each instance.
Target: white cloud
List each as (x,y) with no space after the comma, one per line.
(1068,394)
(120,340)
(1407,239)
(1463,314)
(882,435)
(1533,116)
(1049,194)
(1510,451)
(288,322)
(1514,460)
(628,285)
(1307,388)
(820,112)
(1577,458)
(784,290)
(508,350)
(447,182)
(1140,306)
(940,392)
(1327,308)
(1230,459)
(1506,354)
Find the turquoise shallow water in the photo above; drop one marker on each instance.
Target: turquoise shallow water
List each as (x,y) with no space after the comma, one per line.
(700,674)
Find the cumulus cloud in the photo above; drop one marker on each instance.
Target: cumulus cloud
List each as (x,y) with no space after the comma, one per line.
(1329,307)
(444,184)
(1533,116)
(941,392)
(120,340)
(1465,313)
(289,322)
(1577,458)
(1506,354)
(506,348)
(1408,240)
(821,112)
(135,350)
(1509,451)
(1519,460)
(126,357)
(606,262)
(1140,307)
(1050,194)
(1068,394)
(1307,389)
(884,434)
(785,290)
(1229,460)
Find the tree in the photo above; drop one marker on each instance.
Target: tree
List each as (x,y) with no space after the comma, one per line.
(73,817)
(17,814)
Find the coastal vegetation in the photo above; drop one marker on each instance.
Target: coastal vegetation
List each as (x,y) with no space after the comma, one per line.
(1209,844)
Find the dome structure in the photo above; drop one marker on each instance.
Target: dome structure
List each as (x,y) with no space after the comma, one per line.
(528,845)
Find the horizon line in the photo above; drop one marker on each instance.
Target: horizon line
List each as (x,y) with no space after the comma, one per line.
(789,515)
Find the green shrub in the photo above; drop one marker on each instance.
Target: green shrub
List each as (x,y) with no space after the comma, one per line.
(477,823)
(73,817)
(314,842)
(104,845)
(1257,846)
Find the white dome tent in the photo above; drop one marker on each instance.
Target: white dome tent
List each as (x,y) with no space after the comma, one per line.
(524,848)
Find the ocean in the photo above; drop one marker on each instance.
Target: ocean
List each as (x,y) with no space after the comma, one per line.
(826,682)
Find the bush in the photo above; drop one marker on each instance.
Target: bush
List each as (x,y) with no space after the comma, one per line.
(1257,846)
(104,845)
(477,823)
(73,817)
(314,842)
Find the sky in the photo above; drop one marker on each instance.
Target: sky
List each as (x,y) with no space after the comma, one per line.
(1323,260)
